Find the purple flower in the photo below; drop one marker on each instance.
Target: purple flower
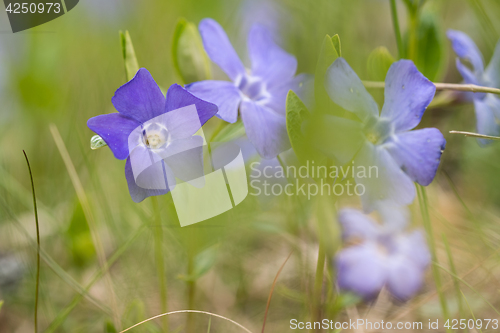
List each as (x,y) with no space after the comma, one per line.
(259,94)
(154,134)
(382,145)
(487,106)
(383,256)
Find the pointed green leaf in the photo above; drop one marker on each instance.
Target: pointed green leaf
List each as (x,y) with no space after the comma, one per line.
(431,51)
(1,304)
(190,59)
(109,327)
(131,64)
(296,114)
(97,142)
(203,262)
(379,62)
(336,44)
(327,55)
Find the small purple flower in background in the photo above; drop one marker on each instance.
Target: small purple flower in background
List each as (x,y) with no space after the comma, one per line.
(259,94)
(154,134)
(382,256)
(384,143)
(487,106)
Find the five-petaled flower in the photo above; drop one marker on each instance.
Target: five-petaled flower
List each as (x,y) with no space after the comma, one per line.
(259,94)
(155,134)
(383,142)
(487,106)
(380,256)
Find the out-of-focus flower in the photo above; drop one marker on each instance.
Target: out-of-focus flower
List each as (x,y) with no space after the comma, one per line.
(259,94)
(154,134)
(487,106)
(392,156)
(381,256)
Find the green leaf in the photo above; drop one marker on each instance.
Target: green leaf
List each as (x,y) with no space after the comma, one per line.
(379,62)
(97,142)
(79,238)
(1,304)
(190,59)
(230,132)
(296,114)
(203,262)
(336,44)
(131,64)
(431,51)
(109,327)
(327,55)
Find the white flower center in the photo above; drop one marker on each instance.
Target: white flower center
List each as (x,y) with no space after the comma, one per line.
(155,136)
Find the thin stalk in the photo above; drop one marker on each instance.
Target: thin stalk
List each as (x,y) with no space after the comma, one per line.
(37,242)
(456,282)
(476,135)
(62,315)
(89,217)
(397,31)
(217,130)
(209,324)
(318,283)
(422,196)
(443,86)
(412,47)
(191,290)
(272,290)
(189,311)
(157,230)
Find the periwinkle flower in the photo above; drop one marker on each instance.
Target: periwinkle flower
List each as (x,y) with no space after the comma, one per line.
(381,256)
(154,134)
(383,143)
(487,106)
(258,94)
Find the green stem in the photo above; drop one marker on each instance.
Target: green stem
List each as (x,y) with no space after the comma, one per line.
(475,135)
(318,283)
(422,197)
(412,46)
(157,229)
(217,130)
(397,31)
(191,291)
(442,86)
(37,242)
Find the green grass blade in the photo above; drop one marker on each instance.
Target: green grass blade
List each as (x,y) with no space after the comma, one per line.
(422,196)
(456,283)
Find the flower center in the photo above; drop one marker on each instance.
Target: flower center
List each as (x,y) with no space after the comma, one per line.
(377,130)
(372,137)
(155,136)
(154,141)
(252,87)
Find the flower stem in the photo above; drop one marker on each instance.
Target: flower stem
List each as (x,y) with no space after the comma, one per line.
(318,282)
(475,135)
(443,86)
(397,31)
(422,197)
(160,267)
(37,242)
(412,47)
(191,290)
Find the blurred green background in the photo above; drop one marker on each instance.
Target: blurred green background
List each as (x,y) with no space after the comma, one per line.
(67,70)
